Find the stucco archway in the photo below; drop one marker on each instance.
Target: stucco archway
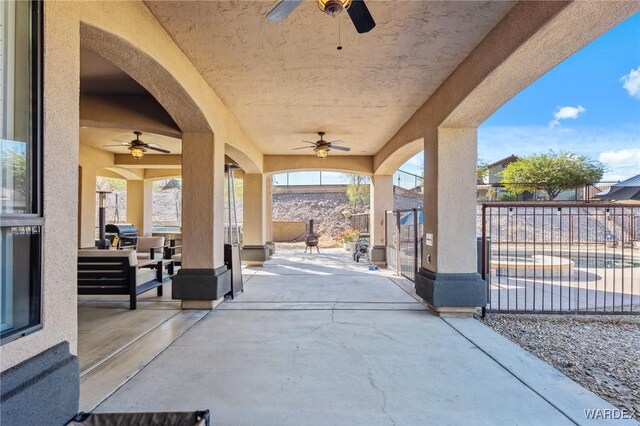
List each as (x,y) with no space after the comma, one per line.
(397,158)
(158,81)
(361,165)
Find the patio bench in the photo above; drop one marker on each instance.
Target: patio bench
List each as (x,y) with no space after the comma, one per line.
(120,272)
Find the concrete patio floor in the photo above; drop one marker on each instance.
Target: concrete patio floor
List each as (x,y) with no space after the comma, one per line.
(320,340)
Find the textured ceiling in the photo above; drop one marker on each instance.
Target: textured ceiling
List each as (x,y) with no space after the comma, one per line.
(286,81)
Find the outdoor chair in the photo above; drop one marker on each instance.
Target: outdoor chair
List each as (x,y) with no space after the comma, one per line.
(150,248)
(120,272)
(173,252)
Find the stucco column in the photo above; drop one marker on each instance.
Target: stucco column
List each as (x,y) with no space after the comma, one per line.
(203,277)
(448,279)
(254,248)
(140,205)
(269,215)
(381,199)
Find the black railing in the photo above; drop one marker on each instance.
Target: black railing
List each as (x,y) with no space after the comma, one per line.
(403,234)
(561,257)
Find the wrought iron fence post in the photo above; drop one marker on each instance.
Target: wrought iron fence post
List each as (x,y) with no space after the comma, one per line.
(399,244)
(483,253)
(415,243)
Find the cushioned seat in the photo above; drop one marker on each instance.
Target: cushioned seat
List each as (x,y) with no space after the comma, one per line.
(145,244)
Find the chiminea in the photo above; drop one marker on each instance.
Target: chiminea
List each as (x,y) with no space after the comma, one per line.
(311,240)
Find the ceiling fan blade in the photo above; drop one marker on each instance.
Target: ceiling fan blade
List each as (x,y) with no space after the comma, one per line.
(302,147)
(282,10)
(117,144)
(360,16)
(312,143)
(336,141)
(118,140)
(164,151)
(341,148)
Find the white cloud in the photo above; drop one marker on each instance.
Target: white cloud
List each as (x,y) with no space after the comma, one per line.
(631,82)
(566,112)
(621,164)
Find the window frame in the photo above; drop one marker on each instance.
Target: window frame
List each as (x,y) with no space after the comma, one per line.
(35,217)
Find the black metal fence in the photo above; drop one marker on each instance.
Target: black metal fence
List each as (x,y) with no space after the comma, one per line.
(561,257)
(403,245)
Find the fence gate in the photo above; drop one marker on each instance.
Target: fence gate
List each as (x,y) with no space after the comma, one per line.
(404,231)
(391,240)
(561,257)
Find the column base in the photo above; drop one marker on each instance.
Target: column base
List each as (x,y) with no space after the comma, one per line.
(378,255)
(200,304)
(44,389)
(272,248)
(255,255)
(201,284)
(451,293)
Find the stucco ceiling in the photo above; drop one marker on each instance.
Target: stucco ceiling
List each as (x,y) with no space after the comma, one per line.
(286,81)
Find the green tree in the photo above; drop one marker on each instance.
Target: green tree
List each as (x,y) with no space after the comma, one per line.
(553,173)
(482,170)
(14,164)
(357,190)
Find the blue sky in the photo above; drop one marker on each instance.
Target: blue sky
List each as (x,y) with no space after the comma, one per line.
(588,104)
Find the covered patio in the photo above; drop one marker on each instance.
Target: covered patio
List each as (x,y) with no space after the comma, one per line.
(314,339)
(319,339)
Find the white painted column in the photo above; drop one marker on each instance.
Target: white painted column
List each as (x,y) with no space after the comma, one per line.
(140,205)
(448,280)
(203,277)
(254,249)
(381,200)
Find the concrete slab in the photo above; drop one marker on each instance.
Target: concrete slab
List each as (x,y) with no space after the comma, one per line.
(280,354)
(314,288)
(101,381)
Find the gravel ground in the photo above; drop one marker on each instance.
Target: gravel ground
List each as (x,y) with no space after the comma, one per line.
(602,353)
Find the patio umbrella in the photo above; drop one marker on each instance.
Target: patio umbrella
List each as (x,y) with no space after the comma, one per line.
(171,184)
(625,190)
(174,184)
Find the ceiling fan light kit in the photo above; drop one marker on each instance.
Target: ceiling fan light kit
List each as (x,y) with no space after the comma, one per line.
(321,147)
(321,152)
(137,147)
(357,10)
(333,8)
(137,153)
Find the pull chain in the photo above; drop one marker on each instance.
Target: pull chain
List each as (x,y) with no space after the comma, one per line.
(339,41)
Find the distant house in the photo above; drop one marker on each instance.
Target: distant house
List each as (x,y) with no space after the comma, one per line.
(494,170)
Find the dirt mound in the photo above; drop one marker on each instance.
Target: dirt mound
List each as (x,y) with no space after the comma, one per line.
(327,210)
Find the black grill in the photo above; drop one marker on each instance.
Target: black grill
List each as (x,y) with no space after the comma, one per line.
(128,234)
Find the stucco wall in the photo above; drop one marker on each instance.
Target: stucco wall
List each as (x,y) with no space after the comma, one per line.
(288,231)
(61,133)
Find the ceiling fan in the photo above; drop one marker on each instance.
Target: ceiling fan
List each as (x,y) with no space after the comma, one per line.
(322,147)
(357,10)
(138,147)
